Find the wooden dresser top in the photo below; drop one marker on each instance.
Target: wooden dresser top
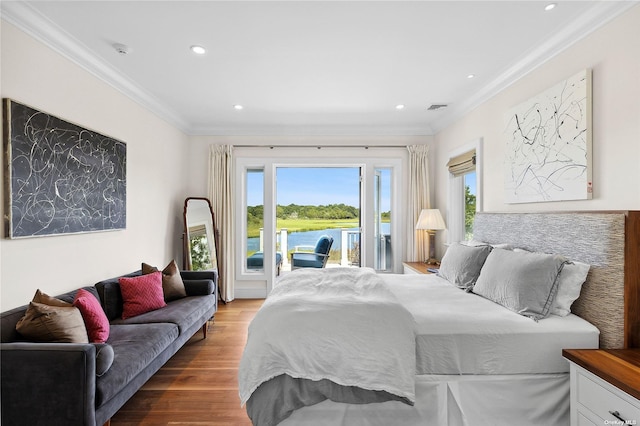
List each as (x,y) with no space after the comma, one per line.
(620,367)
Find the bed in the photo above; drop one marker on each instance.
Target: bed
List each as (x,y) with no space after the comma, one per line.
(475,361)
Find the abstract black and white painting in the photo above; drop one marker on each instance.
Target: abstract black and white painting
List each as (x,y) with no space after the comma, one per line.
(548,152)
(60,178)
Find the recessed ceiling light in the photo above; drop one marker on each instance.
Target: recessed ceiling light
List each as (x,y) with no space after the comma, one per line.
(198,50)
(399,106)
(238,107)
(471,76)
(550,6)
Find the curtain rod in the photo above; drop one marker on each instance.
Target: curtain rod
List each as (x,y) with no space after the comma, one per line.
(319,146)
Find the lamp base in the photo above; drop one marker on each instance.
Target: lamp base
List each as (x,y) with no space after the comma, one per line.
(432,248)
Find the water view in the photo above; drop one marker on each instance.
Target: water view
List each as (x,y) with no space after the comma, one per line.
(309,238)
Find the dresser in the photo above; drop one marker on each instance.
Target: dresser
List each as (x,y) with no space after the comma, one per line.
(605,386)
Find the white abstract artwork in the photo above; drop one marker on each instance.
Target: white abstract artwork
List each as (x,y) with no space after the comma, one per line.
(548,152)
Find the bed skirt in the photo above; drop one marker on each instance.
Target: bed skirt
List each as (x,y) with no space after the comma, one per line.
(524,400)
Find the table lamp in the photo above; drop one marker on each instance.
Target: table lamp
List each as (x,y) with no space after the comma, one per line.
(431,220)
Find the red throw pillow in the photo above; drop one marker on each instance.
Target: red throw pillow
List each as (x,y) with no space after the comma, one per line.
(141,294)
(95,320)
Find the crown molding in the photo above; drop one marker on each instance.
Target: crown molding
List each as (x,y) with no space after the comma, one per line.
(597,16)
(32,22)
(312,131)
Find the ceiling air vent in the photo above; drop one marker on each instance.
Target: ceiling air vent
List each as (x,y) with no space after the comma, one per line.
(436,107)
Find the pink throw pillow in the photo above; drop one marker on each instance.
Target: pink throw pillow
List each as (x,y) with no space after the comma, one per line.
(95,320)
(141,294)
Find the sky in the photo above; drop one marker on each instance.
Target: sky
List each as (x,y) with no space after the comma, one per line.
(313,186)
(322,186)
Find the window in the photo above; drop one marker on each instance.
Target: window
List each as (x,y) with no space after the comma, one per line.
(470,195)
(369,237)
(383,260)
(464,190)
(255,218)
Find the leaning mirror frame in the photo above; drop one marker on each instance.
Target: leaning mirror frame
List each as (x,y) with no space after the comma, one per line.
(199,229)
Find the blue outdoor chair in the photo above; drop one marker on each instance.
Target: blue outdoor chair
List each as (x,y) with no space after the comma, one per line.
(316,259)
(255,261)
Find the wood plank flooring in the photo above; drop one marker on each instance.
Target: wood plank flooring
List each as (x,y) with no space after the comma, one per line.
(199,384)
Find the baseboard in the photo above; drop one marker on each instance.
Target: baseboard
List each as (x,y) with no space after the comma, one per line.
(250,293)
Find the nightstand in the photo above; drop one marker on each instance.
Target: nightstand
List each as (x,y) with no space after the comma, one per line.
(605,386)
(417,267)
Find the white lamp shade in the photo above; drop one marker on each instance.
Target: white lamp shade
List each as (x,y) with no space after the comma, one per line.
(430,219)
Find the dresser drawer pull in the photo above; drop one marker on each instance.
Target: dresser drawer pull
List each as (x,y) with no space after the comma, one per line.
(616,414)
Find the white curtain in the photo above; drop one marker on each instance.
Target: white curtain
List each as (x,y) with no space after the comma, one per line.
(418,199)
(221,196)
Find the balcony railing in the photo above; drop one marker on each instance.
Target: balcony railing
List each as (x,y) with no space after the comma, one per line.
(346,254)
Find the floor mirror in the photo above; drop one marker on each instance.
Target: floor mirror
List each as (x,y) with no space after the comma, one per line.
(201,236)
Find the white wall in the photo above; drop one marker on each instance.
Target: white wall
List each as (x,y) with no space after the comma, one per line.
(35,75)
(613,53)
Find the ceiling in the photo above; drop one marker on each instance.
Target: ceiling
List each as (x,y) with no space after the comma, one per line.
(310,68)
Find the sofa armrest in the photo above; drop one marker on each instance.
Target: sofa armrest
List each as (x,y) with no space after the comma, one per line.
(200,275)
(48,383)
(199,287)
(200,283)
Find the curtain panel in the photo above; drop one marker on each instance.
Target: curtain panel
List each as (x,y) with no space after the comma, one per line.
(221,196)
(419,198)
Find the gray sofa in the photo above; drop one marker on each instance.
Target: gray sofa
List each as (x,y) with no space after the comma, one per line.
(64,383)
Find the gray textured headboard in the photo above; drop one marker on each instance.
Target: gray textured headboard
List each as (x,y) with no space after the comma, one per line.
(596,238)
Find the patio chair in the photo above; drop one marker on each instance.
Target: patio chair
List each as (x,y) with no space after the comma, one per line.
(316,259)
(255,261)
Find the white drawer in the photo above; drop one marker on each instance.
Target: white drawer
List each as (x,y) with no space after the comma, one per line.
(583,421)
(601,398)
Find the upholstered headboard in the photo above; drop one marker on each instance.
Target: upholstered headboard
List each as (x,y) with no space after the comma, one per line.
(608,241)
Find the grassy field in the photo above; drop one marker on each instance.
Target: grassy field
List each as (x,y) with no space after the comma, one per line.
(301,225)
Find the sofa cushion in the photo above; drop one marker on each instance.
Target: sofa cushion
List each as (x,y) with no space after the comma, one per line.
(141,294)
(172,285)
(134,348)
(110,295)
(182,312)
(104,358)
(94,317)
(70,296)
(55,324)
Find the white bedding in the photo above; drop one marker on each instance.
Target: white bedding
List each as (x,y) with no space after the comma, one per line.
(341,324)
(463,333)
(541,400)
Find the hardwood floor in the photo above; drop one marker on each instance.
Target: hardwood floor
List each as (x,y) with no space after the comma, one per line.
(199,385)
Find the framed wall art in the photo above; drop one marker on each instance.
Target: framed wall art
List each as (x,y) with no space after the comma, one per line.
(60,178)
(548,144)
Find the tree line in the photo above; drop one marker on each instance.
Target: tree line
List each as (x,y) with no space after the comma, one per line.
(295,211)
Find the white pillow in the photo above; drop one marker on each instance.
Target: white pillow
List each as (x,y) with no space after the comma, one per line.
(461,264)
(570,281)
(523,282)
(571,278)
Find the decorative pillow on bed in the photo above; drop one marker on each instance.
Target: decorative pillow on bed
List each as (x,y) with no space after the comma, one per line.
(172,284)
(523,282)
(461,264)
(573,275)
(141,294)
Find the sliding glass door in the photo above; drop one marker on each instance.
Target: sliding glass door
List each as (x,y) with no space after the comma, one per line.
(288,204)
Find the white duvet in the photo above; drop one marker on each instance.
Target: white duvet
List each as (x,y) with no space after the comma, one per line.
(340,324)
